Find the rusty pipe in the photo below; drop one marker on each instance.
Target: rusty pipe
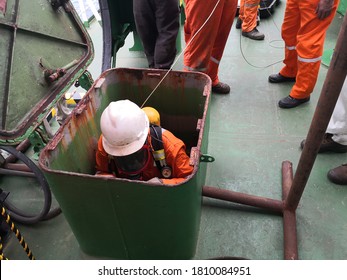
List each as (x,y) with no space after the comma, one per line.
(287,178)
(4,171)
(18,167)
(330,92)
(242,198)
(290,235)
(22,147)
(289,218)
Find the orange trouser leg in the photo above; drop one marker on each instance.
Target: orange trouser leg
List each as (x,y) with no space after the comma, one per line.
(309,46)
(290,28)
(305,80)
(249,14)
(227,19)
(241,9)
(199,47)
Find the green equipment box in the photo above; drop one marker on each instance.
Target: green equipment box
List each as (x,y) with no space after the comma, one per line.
(124,219)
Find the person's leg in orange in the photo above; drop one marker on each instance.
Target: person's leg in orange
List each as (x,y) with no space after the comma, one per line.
(249,23)
(290,28)
(241,12)
(223,30)
(199,48)
(309,48)
(199,44)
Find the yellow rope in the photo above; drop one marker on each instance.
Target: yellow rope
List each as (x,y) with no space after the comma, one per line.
(2,257)
(18,235)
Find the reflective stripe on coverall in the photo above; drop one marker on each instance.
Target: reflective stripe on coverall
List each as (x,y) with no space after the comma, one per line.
(248,14)
(206,49)
(175,157)
(304,34)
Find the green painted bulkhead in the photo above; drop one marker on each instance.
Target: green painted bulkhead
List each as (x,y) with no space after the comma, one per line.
(120,218)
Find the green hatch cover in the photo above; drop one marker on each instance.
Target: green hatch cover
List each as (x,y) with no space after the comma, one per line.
(44,48)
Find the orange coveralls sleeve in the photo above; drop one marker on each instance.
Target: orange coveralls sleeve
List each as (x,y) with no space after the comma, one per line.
(176,157)
(101,159)
(205,51)
(3,6)
(304,34)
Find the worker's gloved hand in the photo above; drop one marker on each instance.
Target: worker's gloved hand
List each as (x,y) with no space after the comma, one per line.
(155,181)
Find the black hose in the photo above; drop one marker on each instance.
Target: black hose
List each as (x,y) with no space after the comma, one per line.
(53,213)
(19,215)
(107,35)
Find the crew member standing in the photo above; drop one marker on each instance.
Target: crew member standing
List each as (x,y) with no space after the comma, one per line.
(303,31)
(205,51)
(157,23)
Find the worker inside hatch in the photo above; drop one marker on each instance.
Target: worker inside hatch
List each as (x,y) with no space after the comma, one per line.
(133,147)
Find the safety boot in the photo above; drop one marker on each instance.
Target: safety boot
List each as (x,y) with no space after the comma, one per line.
(254,34)
(238,23)
(291,102)
(221,88)
(278,78)
(328,145)
(338,175)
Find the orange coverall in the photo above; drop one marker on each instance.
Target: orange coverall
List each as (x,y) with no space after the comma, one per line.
(205,51)
(248,14)
(304,34)
(175,156)
(2,6)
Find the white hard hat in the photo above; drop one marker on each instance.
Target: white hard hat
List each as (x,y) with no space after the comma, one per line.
(124,127)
